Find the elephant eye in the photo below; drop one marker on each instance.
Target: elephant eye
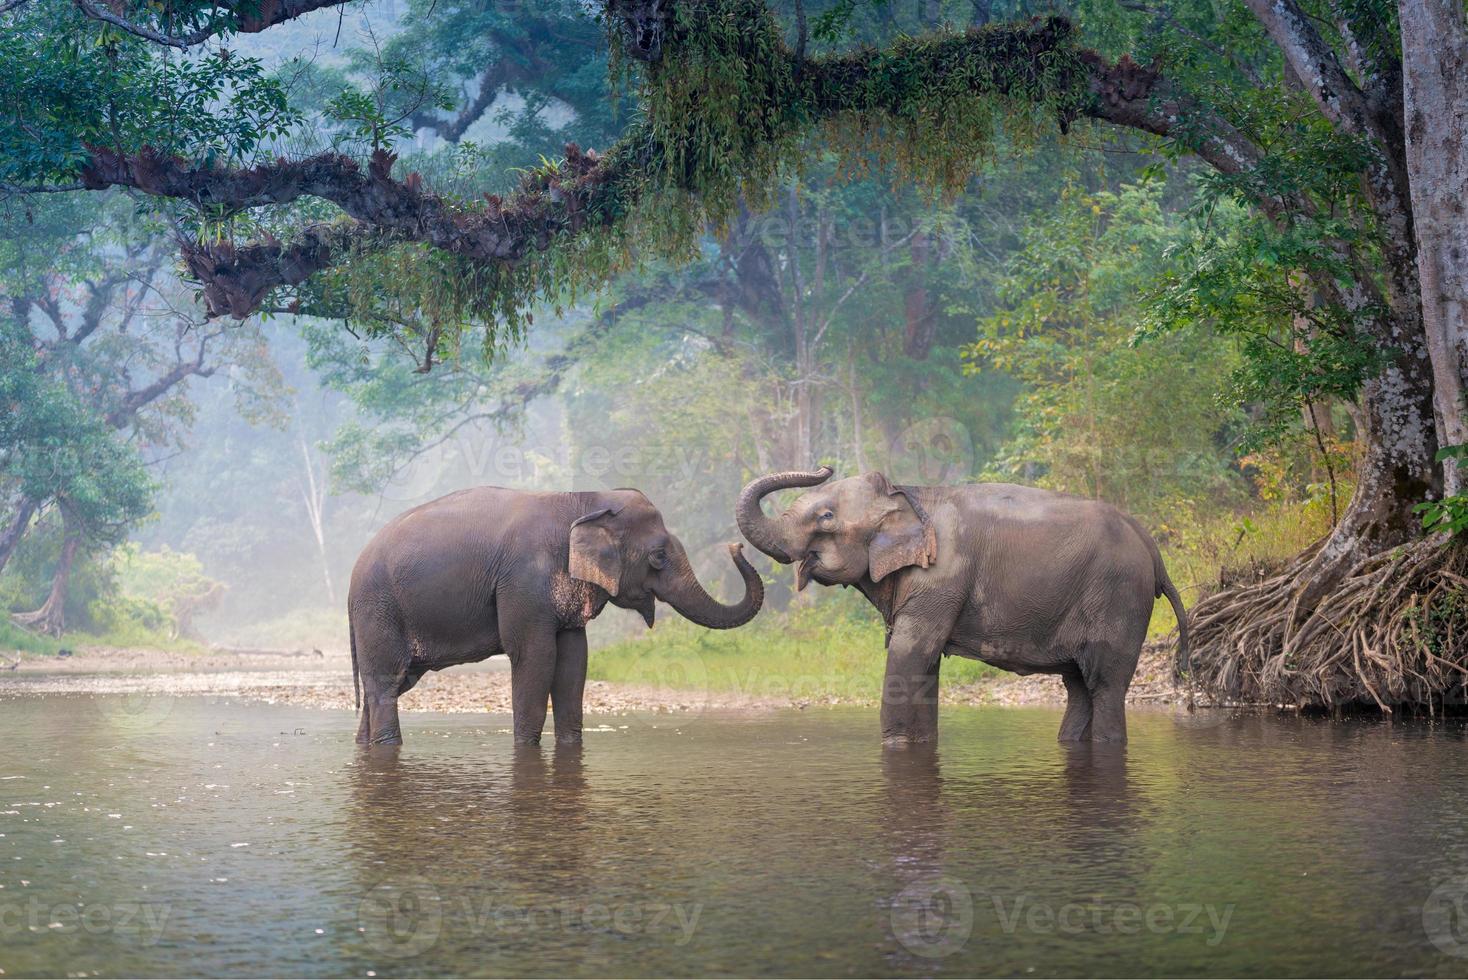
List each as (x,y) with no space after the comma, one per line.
(658,558)
(827,518)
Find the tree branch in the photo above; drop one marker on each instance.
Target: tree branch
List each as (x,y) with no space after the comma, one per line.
(1312,59)
(1128,95)
(135,401)
(248,17)
(385,210)
(491,81)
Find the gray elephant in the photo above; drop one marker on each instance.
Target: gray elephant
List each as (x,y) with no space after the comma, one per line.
(489,570)
(1028,580)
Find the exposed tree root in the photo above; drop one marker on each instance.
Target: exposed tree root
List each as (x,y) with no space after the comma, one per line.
(48,620)
(1393,631)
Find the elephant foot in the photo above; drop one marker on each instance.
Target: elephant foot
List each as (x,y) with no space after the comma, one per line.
(907,741)
(387,738)
(570,738)
(527,739)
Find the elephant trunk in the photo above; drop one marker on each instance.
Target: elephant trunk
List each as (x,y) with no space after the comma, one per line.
(762,532)
(681,589)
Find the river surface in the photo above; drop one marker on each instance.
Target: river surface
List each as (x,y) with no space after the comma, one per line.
(187,835)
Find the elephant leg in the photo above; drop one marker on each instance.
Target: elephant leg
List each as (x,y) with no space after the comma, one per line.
(1108,708)
(1108,665)
(910,687)
(1076,725)
(569,685)
(532,670)
(384,714)
(380,709)
(384,659)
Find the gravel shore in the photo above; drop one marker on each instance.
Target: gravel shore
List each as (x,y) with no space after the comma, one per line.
(324,680)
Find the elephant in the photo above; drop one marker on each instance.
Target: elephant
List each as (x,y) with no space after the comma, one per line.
(1028,580)
(489,570)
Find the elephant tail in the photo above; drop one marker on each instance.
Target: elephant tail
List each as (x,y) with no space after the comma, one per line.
(1164,587)
(356,684)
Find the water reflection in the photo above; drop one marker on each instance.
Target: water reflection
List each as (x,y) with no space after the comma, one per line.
(781,844)
(531,804)
(466,853)
(930,911)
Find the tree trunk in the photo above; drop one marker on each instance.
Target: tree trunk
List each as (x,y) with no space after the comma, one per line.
(25,509)
(1435,97)
(1396,471)
(919,334)
(313,493)
(51,617)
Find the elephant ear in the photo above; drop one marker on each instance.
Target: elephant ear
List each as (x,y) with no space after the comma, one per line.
(596,555)
(905,534)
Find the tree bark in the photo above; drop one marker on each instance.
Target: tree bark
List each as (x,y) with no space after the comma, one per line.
(1435,98)
(585,191)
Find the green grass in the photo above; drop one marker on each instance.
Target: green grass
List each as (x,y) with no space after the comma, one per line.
(132,635)
(829,650)
(13,639)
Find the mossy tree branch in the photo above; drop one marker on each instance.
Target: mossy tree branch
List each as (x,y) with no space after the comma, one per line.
(153,22)
(726,105)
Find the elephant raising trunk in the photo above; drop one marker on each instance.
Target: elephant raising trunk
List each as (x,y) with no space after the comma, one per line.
(679,587)
(1023,579)
(765,534)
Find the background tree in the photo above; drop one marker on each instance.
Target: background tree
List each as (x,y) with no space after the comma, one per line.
(58,454)
(100,345)
(1139,424)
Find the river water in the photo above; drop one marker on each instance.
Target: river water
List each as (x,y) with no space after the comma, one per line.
(187,835)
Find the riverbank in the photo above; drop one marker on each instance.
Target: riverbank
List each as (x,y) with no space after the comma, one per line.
(316,679)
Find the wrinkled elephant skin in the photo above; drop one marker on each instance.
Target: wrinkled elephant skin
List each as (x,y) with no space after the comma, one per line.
(1027,580)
